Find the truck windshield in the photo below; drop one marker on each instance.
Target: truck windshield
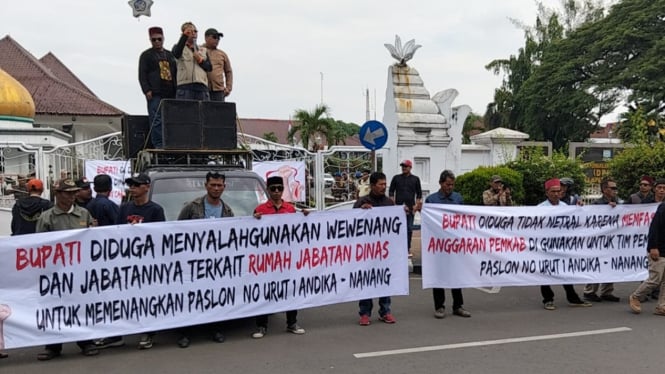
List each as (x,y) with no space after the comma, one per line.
(242,194)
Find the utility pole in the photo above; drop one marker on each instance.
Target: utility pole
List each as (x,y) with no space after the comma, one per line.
(321,87)
(367,104)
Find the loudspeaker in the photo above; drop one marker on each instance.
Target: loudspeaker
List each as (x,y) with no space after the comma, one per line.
(181,124)
(135,134)
(191,124)
(218,125)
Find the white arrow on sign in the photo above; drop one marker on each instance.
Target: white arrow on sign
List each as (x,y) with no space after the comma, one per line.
(370,136)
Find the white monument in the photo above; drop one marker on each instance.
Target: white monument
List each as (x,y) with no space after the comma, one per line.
(426,130)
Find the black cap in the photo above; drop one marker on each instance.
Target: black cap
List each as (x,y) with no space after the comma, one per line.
(212,31)
(274,180)
(82,183)
(138,179)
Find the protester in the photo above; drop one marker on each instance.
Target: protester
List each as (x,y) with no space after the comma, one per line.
(659,190)
(405,190)
(376,198)
(140,210)
(26,210)
(568,193)
(609,189)
(193,65)
(210,205)
(553,193)
(220,78)
(104,212)
(656,255)
(644,195)
(363,184)
(275,205)
(157,76)
(65,215)
(497,195)
(84,194)
(446,195)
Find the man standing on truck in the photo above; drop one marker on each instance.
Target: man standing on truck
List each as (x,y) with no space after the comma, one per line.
(140,210)
(157,76)
(220,78)
(193,65)
(275,205)
(210,205)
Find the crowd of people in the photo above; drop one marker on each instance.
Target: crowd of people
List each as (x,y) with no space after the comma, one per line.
(74,208)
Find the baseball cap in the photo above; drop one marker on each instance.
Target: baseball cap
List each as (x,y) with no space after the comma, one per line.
(496,178)
(212,31)
(141,178)
(34,185)
(406,163)
(67,185)
(82,183)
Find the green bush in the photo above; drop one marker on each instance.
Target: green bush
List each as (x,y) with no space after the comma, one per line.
(632,163)
(536,168)
(472,184)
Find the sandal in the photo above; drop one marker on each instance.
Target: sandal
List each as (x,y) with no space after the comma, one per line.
(48,355)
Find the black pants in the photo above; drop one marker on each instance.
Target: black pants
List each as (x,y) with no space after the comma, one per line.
(571,295)
(58,347)
(291,319)
(440,298)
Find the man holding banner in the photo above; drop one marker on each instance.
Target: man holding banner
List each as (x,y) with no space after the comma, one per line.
(65,215)
(446,195)
(377,197)
(553,193)
(275,205)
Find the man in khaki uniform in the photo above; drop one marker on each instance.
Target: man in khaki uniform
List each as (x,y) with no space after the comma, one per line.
(65,215)
(220,79)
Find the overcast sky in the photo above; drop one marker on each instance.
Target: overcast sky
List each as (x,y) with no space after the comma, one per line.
(279,48)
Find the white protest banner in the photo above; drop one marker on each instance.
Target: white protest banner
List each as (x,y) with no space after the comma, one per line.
(292,172)
(117,170)
(113,280)
(479,246)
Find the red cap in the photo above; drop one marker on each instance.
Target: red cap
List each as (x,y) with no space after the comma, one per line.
(155,30)
(551,183)
(406,163)
(647,179)
(34,185)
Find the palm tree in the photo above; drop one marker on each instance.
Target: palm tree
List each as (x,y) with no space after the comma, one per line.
(309,125)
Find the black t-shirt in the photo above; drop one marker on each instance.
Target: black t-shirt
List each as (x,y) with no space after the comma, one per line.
(132,213)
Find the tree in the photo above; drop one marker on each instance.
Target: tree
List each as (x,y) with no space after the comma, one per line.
(310,125)
(270,136)
(473,122)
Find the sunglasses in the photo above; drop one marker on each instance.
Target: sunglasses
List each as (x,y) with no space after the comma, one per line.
(613,188)
(214,36)
(276,187)
(645,184)
(156,39)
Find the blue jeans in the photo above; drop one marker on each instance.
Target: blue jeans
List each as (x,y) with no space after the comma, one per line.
(409,230)
(217,96)
(187,94)
(155,120)
(367,304)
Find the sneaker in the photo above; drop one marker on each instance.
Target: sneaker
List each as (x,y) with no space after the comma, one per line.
(462,312)
(260,332)
(550,305)
(592,297)
(115,341)
(579,303)
(635,304)
(387,318)
(611,298)
(295,329)
(659,311)
(440,313)
(145,342)
(364,320)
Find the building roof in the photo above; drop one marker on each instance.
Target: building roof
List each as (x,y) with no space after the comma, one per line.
(55,91)
(259,127)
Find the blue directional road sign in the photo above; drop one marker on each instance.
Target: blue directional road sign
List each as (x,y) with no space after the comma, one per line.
(373,135)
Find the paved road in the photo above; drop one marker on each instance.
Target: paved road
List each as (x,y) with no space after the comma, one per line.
(509,332)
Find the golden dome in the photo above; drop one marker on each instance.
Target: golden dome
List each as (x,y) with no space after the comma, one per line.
(15,100)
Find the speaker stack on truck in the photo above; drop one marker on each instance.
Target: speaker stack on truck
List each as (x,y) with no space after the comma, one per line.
(205,125)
